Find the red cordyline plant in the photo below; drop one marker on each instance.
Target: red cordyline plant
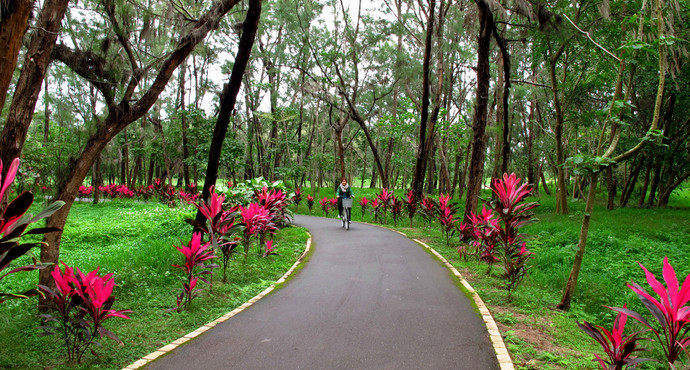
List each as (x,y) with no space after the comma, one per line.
(618,348)
(297,198)
(196,254)
(270,249)
(310,202)
(275,201)
(410,205)
(325,205)
(514,213)
(14,220)
(219,226)
(428,208)
(376,209)
(396,209)
(448,221)
(82,304)
(485,232)
(363,204)
(255,219)
(670,310)
(385,197)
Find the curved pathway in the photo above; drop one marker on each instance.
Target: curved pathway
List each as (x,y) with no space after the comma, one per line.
(368,298)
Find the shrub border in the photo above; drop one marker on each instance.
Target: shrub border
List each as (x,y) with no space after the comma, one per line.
(173,345)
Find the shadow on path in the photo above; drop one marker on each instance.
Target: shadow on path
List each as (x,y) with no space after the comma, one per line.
(368,298)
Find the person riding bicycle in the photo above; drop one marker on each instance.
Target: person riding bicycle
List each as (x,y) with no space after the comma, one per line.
(343,191)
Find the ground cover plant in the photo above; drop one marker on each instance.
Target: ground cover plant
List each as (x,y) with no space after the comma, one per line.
(135,241)
(537,335)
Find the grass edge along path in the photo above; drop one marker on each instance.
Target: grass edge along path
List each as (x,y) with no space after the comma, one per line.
(189,336)
(504,360)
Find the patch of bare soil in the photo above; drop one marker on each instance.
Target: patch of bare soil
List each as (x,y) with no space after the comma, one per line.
(536,331)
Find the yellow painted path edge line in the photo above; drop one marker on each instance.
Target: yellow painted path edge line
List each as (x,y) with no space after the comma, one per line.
(165,349)
(500,349)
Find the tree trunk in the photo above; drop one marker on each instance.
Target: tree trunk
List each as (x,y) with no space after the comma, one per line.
(655,184)
(612,185)
(543,181)
(581,244)
(185,127)
(36,61)
(97,180)
(476,169)
(630,183)
(561,190)
(228,97)
(14,21)
(420,165)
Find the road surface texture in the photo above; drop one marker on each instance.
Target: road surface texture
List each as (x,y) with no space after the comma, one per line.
(368,298)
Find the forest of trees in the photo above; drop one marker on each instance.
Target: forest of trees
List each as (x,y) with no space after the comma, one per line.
(434,95)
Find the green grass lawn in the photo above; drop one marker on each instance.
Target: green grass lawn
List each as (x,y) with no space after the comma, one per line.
(538,336)
(135,242)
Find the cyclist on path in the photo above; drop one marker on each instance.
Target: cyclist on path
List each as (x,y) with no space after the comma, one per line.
(343,191)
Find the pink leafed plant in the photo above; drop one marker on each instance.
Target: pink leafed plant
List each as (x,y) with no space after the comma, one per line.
(270,249)
(310,202)
(256,220)
(82,303)
(670,310)
(513,211)
(617,347)
(14,221)
(196,254)
(363,203)
(410,205)
(325,205)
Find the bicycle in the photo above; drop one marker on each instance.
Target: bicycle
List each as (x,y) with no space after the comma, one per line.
(345,217)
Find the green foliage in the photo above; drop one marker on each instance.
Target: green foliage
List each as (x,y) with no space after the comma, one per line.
(134,241)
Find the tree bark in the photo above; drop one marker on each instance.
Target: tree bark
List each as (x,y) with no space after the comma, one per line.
(14,21)
(420,165)
(476,169)
(561,191)
(36,61)
(569,290)
(630,183)
(228,97)
(185,127)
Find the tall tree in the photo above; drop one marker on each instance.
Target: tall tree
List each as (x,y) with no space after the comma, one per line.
(228,97)
(122,114)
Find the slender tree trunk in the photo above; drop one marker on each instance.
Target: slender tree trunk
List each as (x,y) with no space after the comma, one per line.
(46,110)
(543,181)
(561,191)
(185,127)
(97,180)
(630,184)
(612,186)
(645,184)
(476,169)
(655,184)
(419,170)
(228,97)
(582,243)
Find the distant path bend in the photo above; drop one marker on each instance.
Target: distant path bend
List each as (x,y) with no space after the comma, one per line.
(368,298)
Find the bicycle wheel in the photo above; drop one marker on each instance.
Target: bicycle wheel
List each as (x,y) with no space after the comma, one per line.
(342,218)
(347,216)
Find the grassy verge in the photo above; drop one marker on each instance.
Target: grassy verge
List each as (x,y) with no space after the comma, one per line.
(135,242)
(538,336)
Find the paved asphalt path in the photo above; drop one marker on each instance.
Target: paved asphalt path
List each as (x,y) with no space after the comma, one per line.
(368,298)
